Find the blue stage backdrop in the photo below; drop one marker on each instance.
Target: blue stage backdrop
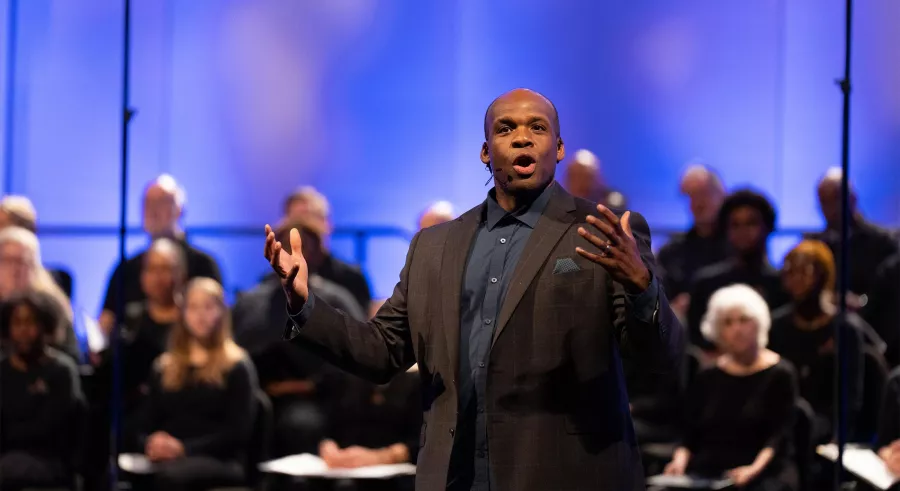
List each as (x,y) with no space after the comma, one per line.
(379,104)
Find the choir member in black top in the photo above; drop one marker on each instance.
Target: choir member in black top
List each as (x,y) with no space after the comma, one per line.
(739,414)
(748,218)
(296,380)
(703,245)
(40,397)
(199,414)
(869,245)
(803,333)
(887,440)
(21,270)
(375,424)
(308,205)
(162,209)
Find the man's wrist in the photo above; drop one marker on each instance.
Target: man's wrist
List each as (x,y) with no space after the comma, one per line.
(640,284)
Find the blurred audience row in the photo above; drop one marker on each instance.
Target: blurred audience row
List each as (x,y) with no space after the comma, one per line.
(206,391)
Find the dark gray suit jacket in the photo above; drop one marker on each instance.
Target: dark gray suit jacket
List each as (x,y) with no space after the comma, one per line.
(558,414)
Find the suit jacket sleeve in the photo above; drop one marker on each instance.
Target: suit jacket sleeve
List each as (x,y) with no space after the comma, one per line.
(654,342)
(375,350)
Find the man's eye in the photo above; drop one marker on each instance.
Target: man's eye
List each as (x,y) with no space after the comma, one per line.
(539,127)
(504,129)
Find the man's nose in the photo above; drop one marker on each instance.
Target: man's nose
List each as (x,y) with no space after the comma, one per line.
(522,140)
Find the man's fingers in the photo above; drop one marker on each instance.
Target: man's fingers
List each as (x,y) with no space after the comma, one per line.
(296,243)
(609,216)
(604,261)
(626,224)
(603,226)
(270,241)
(604,245)
(274,260)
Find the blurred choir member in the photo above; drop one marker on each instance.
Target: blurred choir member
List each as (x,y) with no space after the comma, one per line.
(584,180)
(17,211)
(21,270)
(163,208)
(199,415)
(148,323)
(375,424)
(739,416)
(144,336)
(436,214)
(40,397)
(748,218)
(803,333)
(883,309)
(296,380)
(310,206)
(703,244)
(869,244)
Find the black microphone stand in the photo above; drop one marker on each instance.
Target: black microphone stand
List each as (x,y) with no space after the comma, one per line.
(843,260)
(116,403)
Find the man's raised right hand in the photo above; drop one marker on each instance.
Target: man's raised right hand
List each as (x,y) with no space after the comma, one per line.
(291,268)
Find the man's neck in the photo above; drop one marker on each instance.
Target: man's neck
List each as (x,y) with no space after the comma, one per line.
(704,230)
(175,234)
(511,202)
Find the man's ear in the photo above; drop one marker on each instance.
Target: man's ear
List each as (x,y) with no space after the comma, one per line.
(560,150)
(485,154)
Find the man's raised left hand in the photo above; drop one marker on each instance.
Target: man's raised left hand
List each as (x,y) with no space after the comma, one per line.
(619,253)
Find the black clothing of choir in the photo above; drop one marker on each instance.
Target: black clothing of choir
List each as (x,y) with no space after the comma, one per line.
(208,420)
(730,419)
(38,419)
(686,254)
(812,352)
(377,416)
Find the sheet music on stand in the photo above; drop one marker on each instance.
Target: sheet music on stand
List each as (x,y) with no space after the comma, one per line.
(308,465)
(689,482)
(863,463)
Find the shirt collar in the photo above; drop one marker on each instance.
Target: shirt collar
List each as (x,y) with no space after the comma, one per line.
(527,215)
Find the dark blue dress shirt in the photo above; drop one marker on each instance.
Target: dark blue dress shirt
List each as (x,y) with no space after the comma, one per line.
(495,252)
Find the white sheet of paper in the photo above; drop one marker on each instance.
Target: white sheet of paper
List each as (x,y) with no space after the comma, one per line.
(135,463)
(308,465)
(688,482)
(863,463)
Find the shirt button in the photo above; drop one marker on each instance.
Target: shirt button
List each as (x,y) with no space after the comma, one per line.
(503,240)
(481,365)
(487,321)
(493,280)
(481,410)
(480,454)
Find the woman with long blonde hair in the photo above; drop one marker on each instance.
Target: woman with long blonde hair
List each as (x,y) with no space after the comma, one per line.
(21,270)
(199,414)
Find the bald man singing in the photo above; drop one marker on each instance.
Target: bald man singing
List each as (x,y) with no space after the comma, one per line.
(518,313)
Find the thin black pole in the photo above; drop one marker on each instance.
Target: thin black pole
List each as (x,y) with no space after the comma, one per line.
(843,261)
(12,14)
(116,403)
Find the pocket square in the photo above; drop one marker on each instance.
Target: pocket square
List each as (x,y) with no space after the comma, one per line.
(565,265)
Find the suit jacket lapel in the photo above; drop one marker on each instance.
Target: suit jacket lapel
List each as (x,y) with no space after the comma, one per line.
(453,265)
(549,229)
